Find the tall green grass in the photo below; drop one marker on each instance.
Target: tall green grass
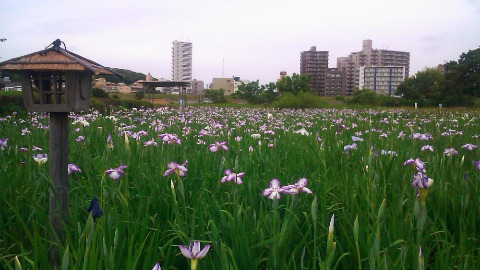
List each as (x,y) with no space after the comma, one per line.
(146,217)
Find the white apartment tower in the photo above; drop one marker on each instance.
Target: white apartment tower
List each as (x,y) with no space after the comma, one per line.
(182,61)
(381,79)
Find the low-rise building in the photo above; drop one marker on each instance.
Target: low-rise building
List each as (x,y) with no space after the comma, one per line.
(227,84)
(123,88)
(197,87)
(10,85)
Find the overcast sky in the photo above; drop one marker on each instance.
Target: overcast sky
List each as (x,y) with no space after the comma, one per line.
(255,39)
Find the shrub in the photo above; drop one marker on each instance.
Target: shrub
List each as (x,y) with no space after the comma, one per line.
(11,102)
(139,95)
(300,101)
(97,104)
(217,96)
(99,93)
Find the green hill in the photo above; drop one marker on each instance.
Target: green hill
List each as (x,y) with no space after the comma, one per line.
(129,76)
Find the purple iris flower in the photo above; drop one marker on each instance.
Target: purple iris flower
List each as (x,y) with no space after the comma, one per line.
(193,252)
(25,131)
(348,147)
(469,146)
(427,148)
(357,139)
(73,168)
(273,191)
(3,143)
(231,176)
(150,143)
(109,141)
(176,168)
(477,165)
(214,147)
(157,266)
(169,138)
(299,186)
(419,165)
(80,139)
(115,173)
(40,158)
(450,152)
(35,148)
(95,208)
(420,180)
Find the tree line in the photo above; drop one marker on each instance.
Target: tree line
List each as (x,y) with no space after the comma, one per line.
(457,85)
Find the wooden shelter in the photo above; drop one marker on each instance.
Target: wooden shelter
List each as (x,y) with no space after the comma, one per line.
(151,85)
(55,79)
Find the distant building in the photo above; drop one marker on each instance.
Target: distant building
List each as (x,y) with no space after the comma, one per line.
(335,82)
(182,61)
(197,87)
(10,85)
(368,57)
(283,74)
(136,87)
(227,84)
(381,79)
(237,82)
(315,64)
(123,88)
(100,83)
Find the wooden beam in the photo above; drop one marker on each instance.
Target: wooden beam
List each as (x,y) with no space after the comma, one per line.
(58,162)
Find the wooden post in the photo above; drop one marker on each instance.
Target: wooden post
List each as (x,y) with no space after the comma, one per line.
(58,156)
(184,90)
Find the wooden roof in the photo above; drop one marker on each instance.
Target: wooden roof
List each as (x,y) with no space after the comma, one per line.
(55,59)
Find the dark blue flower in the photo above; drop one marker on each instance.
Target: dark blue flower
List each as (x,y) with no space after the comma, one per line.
(95,208)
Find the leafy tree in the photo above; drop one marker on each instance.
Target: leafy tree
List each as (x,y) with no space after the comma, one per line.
(100,93)
(426,84)
(465,74)
(14,77)
(139,95)
(294,84)
(460,83)
(249,91)
(217,96)
(269,95)
(255,93)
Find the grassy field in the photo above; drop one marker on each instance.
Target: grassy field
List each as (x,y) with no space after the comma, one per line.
(353,161)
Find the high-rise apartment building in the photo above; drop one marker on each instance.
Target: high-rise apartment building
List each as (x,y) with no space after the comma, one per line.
(181,61)
(382,80)
(335,82)
(368,57)
(315,64)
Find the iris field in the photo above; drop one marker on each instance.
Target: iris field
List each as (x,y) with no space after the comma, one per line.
(165,177)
